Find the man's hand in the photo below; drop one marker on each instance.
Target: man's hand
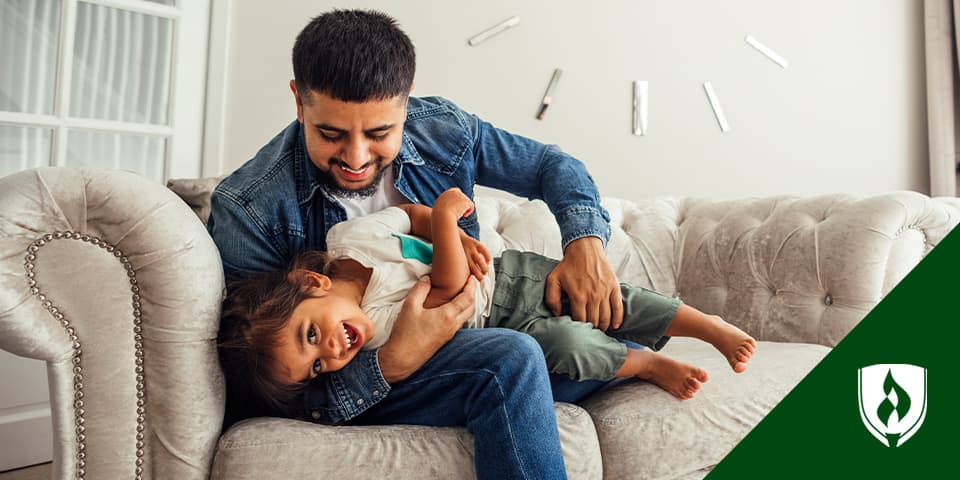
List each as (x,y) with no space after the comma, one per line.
(478,257)
(585,276)
(419,332)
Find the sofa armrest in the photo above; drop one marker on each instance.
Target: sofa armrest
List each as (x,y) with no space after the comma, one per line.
(110,279)
(803,269)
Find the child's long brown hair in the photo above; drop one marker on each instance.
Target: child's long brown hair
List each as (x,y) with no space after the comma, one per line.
(255,310)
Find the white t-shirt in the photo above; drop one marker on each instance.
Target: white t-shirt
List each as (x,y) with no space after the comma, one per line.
(386,195)
(375,241)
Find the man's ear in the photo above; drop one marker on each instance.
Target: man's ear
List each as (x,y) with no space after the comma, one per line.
(298,99)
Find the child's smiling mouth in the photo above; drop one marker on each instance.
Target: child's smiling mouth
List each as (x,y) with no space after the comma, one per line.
(353,336)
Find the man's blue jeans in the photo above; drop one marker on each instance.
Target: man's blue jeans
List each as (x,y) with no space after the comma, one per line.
(495,382)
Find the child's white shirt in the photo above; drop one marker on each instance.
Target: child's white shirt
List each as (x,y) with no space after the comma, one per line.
(375,242)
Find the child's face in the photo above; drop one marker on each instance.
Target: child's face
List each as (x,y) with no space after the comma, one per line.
(324,333)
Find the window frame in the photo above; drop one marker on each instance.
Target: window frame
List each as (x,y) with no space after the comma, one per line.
(185,109)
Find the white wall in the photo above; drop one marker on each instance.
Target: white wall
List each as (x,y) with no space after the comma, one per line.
(847,115)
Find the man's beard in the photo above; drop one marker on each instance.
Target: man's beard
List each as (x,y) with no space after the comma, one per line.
(330,184)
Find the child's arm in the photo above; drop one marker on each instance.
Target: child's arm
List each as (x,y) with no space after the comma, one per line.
(420,219)
(439,226)
(450,268)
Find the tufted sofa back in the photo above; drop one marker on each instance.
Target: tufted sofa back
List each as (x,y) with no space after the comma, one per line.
(782,268)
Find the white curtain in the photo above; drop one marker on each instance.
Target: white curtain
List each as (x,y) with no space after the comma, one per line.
(28,44)
(121,72)
(28,63)
(121,65)
(941,22)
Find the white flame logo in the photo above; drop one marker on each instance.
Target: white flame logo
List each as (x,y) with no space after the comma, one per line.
(893,401)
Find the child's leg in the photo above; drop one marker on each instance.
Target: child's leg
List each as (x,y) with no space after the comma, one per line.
(732,342)
(578,350)
(650,318)
(574,349)
(677,378)
(582,352)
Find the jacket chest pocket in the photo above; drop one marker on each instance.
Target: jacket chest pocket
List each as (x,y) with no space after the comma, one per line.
(443,140)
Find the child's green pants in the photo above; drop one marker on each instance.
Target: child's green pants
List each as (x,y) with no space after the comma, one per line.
(574,348)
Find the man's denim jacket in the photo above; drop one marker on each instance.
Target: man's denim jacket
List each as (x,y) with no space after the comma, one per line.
(273,207)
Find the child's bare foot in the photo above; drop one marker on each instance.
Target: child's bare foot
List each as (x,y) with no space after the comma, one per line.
(733,343)
(679,379)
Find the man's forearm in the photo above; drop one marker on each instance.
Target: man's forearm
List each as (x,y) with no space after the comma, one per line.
(531,169)
(573,198)
(396,367)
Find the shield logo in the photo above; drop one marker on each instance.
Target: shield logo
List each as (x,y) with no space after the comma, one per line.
(893,401)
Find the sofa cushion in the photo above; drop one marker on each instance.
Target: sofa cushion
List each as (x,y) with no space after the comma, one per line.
(195,192)
(646,433)
(274,448)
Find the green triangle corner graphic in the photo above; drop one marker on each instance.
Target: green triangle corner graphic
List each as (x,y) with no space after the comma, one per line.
(816,431)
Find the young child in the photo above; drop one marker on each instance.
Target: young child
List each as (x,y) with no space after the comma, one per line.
(292,326)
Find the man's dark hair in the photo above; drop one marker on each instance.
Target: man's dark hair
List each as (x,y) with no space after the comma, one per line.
(353,56)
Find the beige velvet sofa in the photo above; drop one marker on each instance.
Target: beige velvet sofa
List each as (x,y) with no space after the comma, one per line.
(113,281)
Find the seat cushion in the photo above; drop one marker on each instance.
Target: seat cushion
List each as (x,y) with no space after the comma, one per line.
(645,432)
(264,448)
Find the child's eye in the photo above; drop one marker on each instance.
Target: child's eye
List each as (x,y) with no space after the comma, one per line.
(317,368)
(311,335)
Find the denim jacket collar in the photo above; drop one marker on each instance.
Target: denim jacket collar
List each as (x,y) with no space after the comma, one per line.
(408,152)
(305,173)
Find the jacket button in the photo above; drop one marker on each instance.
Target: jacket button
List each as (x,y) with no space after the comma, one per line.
(315,414)
(360,402)
(376,393)
(828,300)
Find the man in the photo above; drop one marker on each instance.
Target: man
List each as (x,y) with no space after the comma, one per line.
(361,143)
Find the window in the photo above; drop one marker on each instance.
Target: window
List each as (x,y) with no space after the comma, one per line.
(103,83)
